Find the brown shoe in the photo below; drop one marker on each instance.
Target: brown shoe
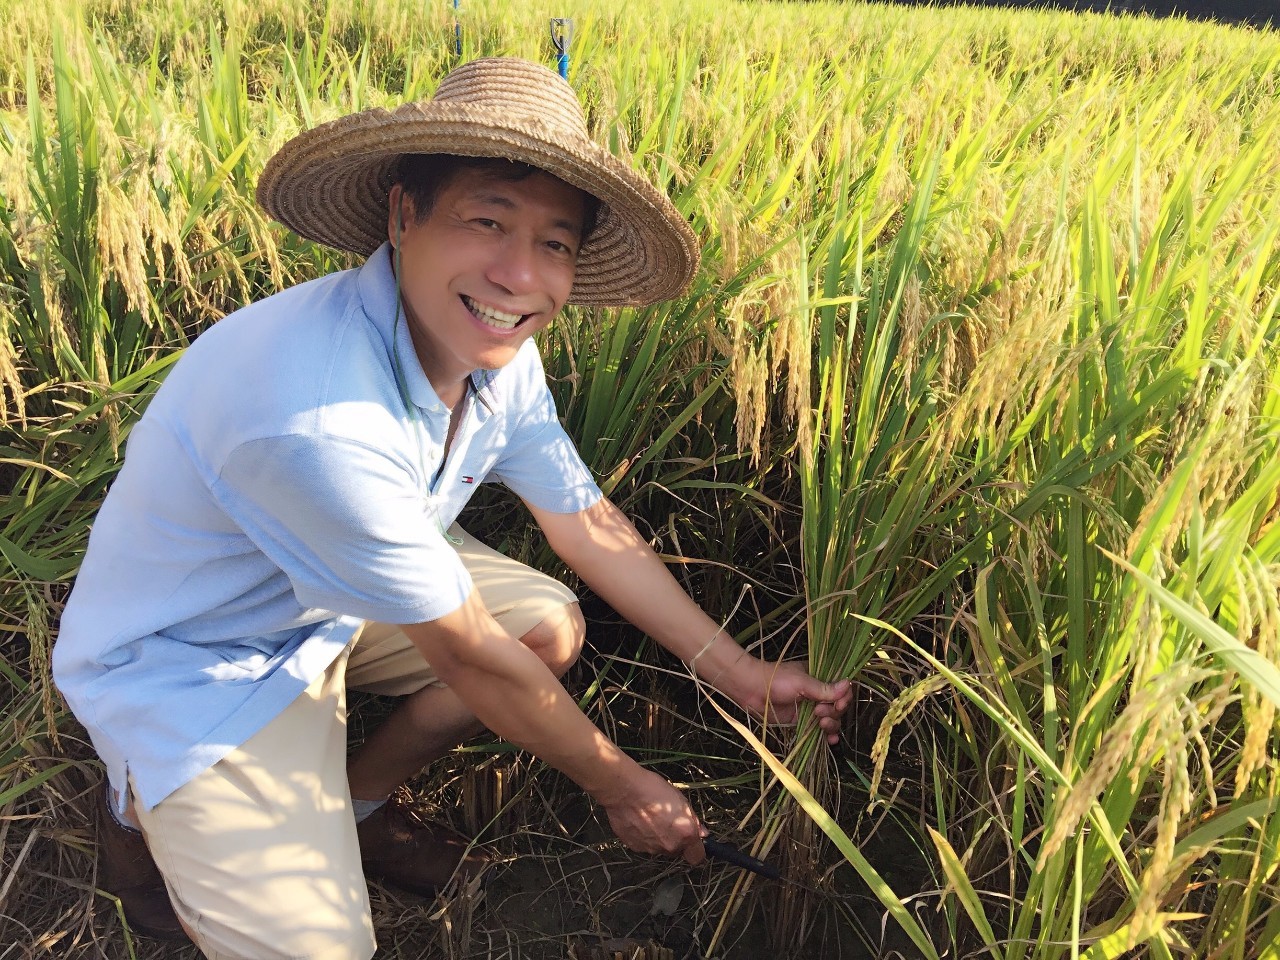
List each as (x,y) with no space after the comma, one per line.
(127,871)
(401,850)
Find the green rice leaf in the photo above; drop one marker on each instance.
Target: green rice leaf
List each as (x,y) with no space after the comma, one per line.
(1248,663)
(959,880)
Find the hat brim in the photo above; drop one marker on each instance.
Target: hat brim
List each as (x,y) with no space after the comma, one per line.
(330,184)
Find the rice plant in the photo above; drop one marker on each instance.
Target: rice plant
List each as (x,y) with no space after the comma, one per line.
(974,399)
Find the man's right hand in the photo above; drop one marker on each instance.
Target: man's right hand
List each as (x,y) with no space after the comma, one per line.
(652,816)
(513,693)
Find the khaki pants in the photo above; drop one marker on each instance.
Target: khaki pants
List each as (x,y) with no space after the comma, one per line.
(259,852)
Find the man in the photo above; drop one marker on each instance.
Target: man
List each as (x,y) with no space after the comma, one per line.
(283,527)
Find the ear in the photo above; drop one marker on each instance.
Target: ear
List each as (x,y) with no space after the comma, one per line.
(395,213)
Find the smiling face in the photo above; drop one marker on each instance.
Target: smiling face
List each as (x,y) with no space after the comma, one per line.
(490,265)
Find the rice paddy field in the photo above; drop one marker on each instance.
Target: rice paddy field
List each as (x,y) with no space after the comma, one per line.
(976,399)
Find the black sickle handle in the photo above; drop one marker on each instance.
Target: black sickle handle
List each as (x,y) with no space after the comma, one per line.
(731,854)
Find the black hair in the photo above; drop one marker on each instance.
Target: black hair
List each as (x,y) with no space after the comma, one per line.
(423,175)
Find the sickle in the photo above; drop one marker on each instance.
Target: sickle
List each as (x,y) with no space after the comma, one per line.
(727,853)
(731,854)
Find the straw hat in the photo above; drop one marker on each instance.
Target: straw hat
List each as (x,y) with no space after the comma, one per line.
(330,183)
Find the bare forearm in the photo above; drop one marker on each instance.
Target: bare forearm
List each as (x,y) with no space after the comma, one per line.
(513,693)
(607,551)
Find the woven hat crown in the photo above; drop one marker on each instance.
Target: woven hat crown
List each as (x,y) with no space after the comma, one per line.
(518,88)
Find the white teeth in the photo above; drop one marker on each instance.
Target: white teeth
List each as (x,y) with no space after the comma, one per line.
(494,318)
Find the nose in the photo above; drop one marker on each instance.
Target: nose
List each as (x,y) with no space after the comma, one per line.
(514,266)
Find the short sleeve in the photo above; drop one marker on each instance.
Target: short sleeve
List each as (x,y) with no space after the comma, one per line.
(347,525)
(541,464)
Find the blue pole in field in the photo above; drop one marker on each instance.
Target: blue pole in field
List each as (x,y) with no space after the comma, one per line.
(561,37)
(457,30)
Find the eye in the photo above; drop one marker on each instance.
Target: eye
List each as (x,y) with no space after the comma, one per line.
(486,223)
(560,247)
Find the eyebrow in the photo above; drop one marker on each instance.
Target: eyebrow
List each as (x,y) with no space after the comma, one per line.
(506,203)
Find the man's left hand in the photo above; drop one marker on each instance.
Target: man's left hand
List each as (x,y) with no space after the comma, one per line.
(775,691)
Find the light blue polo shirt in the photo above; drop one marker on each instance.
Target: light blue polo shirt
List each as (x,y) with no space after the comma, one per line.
(276,494)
